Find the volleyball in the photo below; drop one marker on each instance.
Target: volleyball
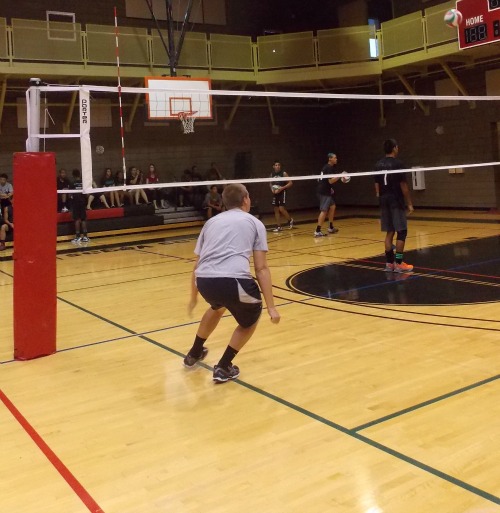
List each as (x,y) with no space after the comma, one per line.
(453,18)
(275,187)
(99,150)
(345,179)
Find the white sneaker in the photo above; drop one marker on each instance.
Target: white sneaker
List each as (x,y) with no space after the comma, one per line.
(319,234)
(64,209)
(290,224)
(278,229)
(333,230)
(77,240)
(85,239)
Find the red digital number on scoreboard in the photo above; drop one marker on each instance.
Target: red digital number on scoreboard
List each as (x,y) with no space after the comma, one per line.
(480,22)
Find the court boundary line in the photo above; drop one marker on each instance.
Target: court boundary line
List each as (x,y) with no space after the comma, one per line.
(56,462)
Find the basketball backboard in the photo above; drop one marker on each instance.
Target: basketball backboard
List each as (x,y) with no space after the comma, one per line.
(176,98)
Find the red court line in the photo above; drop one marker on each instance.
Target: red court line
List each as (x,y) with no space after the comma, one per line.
(51,456)
(445,271)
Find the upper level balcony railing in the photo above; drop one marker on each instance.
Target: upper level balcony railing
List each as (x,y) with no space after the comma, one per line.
(34,41)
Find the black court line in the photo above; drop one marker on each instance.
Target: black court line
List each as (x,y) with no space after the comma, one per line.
(350,432)
(393,308)
(112,245)
(437,274)
(127,281)
(310,297)
(423,404)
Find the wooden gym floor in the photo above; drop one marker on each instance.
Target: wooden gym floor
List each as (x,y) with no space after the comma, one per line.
(373,394)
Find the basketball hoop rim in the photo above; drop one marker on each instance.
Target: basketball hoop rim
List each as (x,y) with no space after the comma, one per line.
(187,114)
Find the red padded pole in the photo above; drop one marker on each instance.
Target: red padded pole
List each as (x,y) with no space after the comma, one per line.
(35,239)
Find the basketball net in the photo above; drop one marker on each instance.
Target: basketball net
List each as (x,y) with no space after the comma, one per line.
(187,120)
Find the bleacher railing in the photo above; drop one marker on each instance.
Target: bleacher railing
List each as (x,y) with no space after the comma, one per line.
(60,42)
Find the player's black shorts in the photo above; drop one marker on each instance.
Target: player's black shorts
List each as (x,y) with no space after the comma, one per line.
(79,211)
(392,214)
(240,296)
(279,199)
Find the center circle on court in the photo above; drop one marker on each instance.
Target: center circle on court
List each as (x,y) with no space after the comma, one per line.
(361,282)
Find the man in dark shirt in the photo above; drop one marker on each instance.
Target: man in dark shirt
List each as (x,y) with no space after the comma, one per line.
(393,193)
(278,190)
(7,223)
(62,184)
(79,210)
(325,195)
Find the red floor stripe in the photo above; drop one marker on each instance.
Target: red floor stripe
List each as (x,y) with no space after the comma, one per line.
(445,271)
(49,453)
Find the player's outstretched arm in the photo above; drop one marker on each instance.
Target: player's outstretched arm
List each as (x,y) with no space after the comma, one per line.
(264,278)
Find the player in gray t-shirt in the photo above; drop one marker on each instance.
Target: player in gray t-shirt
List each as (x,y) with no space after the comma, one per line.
(222,276)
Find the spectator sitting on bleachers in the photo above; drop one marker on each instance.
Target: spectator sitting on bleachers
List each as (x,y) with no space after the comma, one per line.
(213,202)
(134,177)
(186,191)
(120,195)
(7,223)
(102,198)
(109,181)
(155,194)
(141,193)
(6,191)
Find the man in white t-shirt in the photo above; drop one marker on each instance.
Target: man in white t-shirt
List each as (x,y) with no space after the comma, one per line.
(222,276)
(6,191)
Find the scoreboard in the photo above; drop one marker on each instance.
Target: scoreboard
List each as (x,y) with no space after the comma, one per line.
(480,22)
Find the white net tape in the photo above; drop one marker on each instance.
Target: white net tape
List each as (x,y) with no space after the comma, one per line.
(188,118)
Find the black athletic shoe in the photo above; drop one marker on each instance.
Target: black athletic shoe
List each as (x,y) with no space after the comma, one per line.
(190,361)
(222,375)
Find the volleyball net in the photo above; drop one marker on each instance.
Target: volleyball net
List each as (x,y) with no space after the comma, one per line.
(219,110)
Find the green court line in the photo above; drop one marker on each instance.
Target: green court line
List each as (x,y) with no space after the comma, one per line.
(350,432)
(426,403)
(403,457)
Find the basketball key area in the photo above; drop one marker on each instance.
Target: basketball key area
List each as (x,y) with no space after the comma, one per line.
(363,373)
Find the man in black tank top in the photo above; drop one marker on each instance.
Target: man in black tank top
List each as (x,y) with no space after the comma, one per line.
(326,199)
(278,189)
(393,193)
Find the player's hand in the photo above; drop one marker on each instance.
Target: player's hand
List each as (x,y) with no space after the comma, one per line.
(191,306)
(410,209)
(274,315)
